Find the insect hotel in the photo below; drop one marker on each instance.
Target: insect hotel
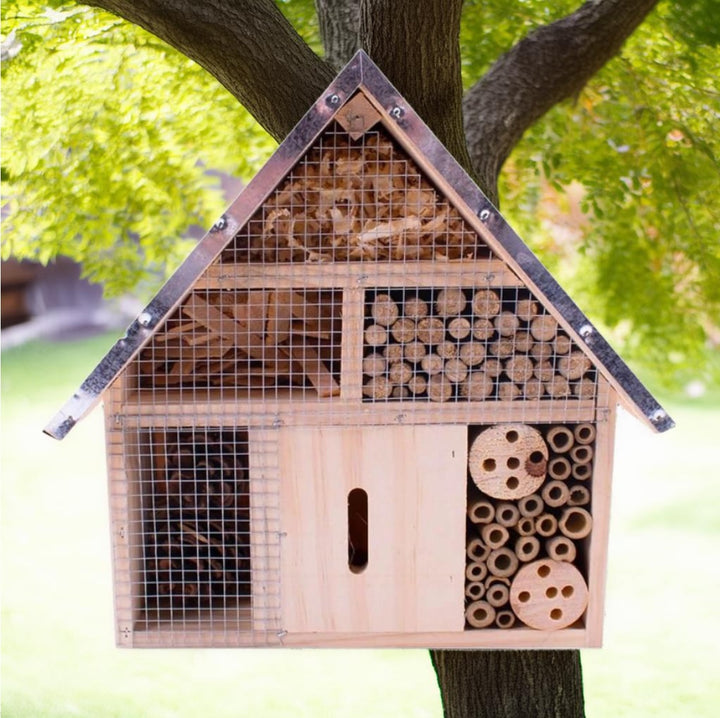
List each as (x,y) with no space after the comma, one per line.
(361,413)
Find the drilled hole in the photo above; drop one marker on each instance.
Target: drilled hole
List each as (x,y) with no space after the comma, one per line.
(567,591)
(551,592)
(536,457)
(524,596)
(512,436)
(543,571)
(556,614)
(512,482)
(489,465)
(513,462)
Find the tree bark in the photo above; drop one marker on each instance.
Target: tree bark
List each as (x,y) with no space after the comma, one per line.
(339,22)
(549,65)
(510,684)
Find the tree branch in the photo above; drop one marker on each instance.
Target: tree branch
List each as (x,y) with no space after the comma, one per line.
(549,65)
(339,22)
(247,45)
(416,45)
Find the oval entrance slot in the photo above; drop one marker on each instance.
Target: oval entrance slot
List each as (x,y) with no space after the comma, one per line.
(357,530)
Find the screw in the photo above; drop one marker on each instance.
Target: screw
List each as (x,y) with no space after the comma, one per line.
(334,99)
(220,225)
(397,112)
(145,319)
(485,215)
(657,416)
(585,331)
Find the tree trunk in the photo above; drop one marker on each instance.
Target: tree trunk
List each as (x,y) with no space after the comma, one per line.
(510,684)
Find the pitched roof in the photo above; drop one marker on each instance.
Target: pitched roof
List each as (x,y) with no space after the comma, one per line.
(404,125)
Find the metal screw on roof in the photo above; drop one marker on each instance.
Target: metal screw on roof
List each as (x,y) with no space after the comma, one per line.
(220,224)
(585,331)
(658,415)
(485,215)
(334,99)
(397,112)
(145,319)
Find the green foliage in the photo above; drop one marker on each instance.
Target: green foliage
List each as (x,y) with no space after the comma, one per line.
(108,136)
(635,163)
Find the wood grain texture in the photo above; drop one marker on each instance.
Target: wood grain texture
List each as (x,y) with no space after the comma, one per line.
(415,479)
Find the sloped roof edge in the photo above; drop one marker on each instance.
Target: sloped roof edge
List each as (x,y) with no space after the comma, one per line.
(359,73)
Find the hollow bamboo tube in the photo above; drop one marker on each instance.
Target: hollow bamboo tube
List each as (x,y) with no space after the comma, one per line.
(403,330)
(575,522)
(480,511)
(574,365)
(415,308)
(450,302)
(584,433)
(505,619)
(455,370)
(480,614)
(582,472)
(446,350)
(475,590)
(476,550)
(486,303)
(561,548)
(519,368)
(491,579)
(559,468)
(526,309)
(507,514)
(555,493)
(472,353)
(476,571)
(384,310)
(439,388)
(494,535)
(431,364)
(377,387)
(393,353)
(560,439)
(543,328)
(506,324)
(375,335)
(417,384)
(459,328)
(531,505)
(527,548)
(582,454)
(502,562)
(374,364)
(478,386)
(579,496)
(546,525)
(482,329)
(497,595)
(414,351)
(525,526)
(430,330)
(400,373)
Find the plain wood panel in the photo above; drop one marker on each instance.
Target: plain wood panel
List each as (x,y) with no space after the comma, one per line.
(415,480)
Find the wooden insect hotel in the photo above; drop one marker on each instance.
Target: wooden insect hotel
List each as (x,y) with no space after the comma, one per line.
(361,413)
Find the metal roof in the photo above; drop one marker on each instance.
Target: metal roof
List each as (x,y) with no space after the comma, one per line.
(419,141)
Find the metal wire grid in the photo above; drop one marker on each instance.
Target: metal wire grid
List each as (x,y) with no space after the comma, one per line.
(469,344)
(354,200)
(203,547)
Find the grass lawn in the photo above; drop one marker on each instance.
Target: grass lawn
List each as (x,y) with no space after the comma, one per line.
(58,653)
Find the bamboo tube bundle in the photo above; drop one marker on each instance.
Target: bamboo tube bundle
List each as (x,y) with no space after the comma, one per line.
(507,514)
(474,590)
(546,525)
(575,523)
(527,548)
(476,571)
(494,535)
(497,595)
(559,468)
(502,562)
(579,496)
(505,619)
(560,548)
(476,550)
(555,493)
(480,614)
(480,511)
(582,472)
(584,433)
